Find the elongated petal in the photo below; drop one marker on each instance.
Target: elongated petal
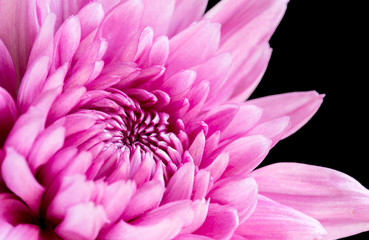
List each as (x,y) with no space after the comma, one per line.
(165,229)
(338,201)
(8,77)
(202,38)
(8,113)
(180,185)
(22,231)
(146,198)
(298,106)
(274,221)
(240,193)
(18,38)
(159,22)
(246,153)
(19,179)
(185,12)
(220,223)
(82,221)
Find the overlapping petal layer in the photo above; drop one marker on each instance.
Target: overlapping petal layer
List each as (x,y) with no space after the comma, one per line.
(118,122)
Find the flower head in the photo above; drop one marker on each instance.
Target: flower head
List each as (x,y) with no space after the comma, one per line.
(126,120)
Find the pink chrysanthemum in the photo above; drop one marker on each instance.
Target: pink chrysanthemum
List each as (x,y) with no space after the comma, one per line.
(126,120)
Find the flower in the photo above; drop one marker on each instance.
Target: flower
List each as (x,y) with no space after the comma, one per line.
(126,120)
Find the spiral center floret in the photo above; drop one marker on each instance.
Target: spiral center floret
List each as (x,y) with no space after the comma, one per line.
(130,130)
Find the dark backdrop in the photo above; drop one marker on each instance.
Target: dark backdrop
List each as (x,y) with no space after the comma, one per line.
(319,45)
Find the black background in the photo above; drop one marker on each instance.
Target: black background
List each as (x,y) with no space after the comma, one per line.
(319,45)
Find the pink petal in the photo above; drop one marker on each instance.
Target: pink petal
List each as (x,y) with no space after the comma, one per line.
(119,35)
(90,17)
(273,129)
(338,201)
(180,185)
(191,237)
(82,221)
(159,51)
(299,106)
(46,145)
(116,198)
(220,223)
(64,9)
(201,184)
(239,193)
(219,117)
(73,190)
(32,83)
(246,153)
(218,166)
(8,78)
(197,148)
(165,229)
(159,22)
(185,12)
(43,45)
(23,231)
(272,220)
(246,118)
(8,114)
(147,197)
(19,179)
(200,208)
(28,15)
(178,85)
(13,210)
(202,38)
(30,124)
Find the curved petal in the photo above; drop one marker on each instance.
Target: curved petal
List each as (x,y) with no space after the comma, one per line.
(19,179)
(82,221)
(220,223)
(298,106)
(338,201)
(274,221)
(19,38)
(8,77)
(8,113)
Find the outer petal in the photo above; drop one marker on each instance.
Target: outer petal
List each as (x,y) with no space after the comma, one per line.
(221,222)
(19,37)
(20,232)
(238,193)
(8,78)
(8,113)
(338,201)
(19,179)
(82,221)
(298,106)
(274,221)
(185,12)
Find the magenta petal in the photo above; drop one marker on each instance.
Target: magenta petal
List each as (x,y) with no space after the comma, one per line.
(338,201)
(8,114)
(32,83)
(8,78)
(116,197)
(191,237)
(21,232)
(185,12)
(246,153)
(197,148)
(90,17)
(147,197)
(119,35)
(19,37)
(19,179)
(202,38)
(299,106)
(220,223)
(180,185)
(46,145)
(272,220)
(239,193)
(43,45)
(159,22)
(82,221)
(164,229)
